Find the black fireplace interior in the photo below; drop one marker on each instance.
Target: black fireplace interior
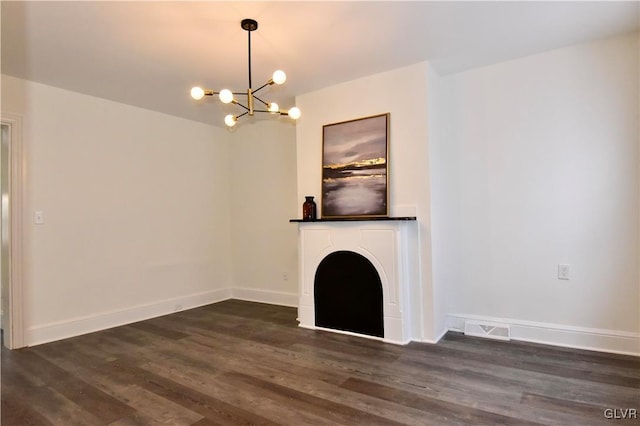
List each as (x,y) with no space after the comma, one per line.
(348,294)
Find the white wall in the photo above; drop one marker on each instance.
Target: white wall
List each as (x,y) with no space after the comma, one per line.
(263,199)
(536,164)
(402,93)
(136,209)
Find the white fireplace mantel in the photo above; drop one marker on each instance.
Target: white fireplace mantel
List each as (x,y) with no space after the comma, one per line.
(391,247)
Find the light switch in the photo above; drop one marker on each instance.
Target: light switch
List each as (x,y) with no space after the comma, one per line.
(38,217)
(563,271)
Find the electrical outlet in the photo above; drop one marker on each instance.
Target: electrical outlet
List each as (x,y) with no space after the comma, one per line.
(285,276)
(564,271)
(38,217)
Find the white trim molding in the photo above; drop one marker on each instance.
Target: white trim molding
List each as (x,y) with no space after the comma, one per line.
(16,162)
(595,339)
(77,326)
(265,296)
(436,340)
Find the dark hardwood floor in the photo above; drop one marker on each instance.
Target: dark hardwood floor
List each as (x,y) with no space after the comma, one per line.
(237,363)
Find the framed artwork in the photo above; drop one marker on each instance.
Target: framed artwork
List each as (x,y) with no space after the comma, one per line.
(355,178)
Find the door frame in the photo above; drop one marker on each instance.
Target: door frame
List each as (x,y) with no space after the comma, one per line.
(14,336)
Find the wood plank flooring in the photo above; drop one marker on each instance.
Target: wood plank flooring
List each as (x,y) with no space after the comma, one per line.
(240,363)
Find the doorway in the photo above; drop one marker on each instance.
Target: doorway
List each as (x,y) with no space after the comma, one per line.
(4,319)
(11,231)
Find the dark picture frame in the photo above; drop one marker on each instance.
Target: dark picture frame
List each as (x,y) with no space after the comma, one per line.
(355,173)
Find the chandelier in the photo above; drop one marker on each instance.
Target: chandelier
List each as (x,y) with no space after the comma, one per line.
(227,96)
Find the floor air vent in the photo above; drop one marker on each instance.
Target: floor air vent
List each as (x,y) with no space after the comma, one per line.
(487,330)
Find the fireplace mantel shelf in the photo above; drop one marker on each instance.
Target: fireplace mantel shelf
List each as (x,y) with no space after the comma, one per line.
(352,219)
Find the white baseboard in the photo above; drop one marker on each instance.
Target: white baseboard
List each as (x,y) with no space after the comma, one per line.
(77,326)
(436,340)
(594,339)
(265,296)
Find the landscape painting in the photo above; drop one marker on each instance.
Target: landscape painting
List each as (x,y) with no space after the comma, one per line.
(355,179)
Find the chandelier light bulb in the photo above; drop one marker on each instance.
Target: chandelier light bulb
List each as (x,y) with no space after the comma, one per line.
(197,93)
(279,77)
(226,96)
(273,107)
(230,120)
(294,113)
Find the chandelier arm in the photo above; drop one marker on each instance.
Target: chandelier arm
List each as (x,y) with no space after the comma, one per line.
(212,92)
(268,83)
(265,103)
(239,104)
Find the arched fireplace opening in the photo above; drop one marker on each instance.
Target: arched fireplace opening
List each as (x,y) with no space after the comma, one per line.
(348,294)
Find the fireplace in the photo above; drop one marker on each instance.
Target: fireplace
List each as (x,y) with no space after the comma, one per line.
(360,277)
(348,294)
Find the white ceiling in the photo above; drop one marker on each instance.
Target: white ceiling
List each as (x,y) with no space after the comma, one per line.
(150,54)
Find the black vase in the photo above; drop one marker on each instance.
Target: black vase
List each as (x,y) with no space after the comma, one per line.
(309,208)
